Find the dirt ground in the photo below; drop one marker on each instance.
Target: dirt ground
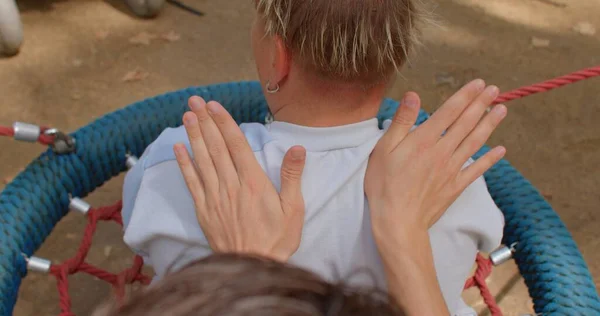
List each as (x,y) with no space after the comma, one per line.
(77,54)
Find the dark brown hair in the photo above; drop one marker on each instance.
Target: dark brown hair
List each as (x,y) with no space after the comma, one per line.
(236,285)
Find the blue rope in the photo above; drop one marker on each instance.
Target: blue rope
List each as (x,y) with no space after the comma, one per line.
(557,277)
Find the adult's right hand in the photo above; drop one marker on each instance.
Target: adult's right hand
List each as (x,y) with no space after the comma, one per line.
(237,206)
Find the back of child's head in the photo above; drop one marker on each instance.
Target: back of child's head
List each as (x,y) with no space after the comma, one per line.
(239,285)
(349,40)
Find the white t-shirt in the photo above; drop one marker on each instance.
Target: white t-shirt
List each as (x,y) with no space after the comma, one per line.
(337,242)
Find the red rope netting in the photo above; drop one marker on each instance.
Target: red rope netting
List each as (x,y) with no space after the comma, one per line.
(133,274)
(78,264)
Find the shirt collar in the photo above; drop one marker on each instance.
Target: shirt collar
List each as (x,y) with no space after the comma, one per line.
(325,138)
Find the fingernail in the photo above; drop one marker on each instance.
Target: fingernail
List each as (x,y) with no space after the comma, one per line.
(410,101)
(195,104)
(178,150)
(500,151)
(479,84)
(493,91)
(298,153)
(500,110)
(213,107)
(189,119)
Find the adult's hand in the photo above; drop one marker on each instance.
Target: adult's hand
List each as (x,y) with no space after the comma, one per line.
(421,170)
(237,206)
(414,176)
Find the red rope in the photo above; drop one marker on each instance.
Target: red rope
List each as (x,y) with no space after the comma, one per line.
(77,262)
(42,139)
(549,84)
(7,131)
(484,269)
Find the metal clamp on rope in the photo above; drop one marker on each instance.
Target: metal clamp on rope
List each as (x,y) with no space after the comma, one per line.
(79,205)
(37,264)
(130,161)
(26,132)
(502,254)
(63,143)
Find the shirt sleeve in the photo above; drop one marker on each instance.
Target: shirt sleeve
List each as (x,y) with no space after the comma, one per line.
(159,213)
(472,224)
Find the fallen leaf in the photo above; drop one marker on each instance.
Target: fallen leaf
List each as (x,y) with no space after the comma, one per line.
(585,28)
(554,3)
(540,42)
(171,36)
(8,179)
(547,195)
(107,251)
(102,34)
(135,75)
(445,78)
(143,38)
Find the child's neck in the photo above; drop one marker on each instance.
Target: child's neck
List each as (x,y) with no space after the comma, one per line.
(325,116)
(326,107)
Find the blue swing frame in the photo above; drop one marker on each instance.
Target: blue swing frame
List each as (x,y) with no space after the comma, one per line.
(556,275)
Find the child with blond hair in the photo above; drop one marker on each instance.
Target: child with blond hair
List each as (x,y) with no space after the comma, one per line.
(325,66)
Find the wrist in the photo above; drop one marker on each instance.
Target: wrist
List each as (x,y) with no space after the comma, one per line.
(411,276)
(404,241)
(404,232)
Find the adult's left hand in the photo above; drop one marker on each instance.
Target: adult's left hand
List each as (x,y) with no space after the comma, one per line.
(237,206)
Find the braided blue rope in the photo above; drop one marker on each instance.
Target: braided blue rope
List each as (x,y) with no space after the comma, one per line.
(548,258)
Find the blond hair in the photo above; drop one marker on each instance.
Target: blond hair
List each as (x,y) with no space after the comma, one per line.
(353,40)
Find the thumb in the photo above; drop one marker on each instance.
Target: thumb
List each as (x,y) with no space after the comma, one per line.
(291,178)
(404,119)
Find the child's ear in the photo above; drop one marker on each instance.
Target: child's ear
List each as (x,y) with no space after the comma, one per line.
(281,60)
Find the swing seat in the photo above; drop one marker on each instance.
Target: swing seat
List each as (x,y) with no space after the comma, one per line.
(555,273)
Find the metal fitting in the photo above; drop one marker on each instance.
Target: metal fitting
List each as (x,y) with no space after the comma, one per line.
(63,143)
(502,254)
(79,205)
(26,132)
(37,264)
(130,161)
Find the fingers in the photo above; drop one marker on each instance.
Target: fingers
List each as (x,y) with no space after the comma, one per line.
(190,175)
(291,178)
(477,138)
(451,109)
(237,145)
(214,142)
(202,158)
(469,118)
(480,166)
(404,119)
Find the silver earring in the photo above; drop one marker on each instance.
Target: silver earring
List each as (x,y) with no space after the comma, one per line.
(269,90)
